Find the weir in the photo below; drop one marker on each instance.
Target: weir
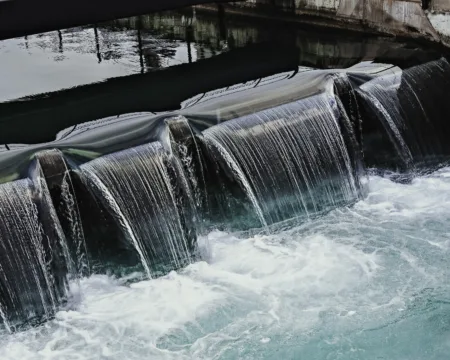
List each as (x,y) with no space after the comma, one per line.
(135,191)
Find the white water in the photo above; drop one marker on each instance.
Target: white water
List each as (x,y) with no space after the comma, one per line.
(291,159)
(365,282)
(135,185)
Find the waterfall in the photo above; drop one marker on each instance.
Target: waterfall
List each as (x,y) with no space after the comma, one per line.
(412,108)
(238,162)
(137,187)
(290,160)
(32,266)
(62,192)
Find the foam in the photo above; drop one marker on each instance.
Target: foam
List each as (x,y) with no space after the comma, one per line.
(367,281)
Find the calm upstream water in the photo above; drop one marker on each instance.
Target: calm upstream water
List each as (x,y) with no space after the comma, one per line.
(369,281)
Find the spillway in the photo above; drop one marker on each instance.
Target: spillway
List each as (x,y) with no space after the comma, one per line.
(135,193)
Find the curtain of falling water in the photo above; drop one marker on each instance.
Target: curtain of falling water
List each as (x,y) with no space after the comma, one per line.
(58,179)
(291,160)
(72,215)
(413,109)
(136,187)
(29,286)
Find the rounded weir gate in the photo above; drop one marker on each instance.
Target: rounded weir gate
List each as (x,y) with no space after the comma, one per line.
(136,193)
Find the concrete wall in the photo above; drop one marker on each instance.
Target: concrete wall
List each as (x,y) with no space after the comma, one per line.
(397,17)
(324,5)
(440,5)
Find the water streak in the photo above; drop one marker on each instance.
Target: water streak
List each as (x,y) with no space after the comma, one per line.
(136,187)
(76,229)
(54,174)
(291,160)
(413,109)
(31,287)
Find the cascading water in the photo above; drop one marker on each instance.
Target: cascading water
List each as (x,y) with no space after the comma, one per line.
(59,183)
(184,145)
(334,286)
(291,160)
(411,107)
(32,272)
(135,185)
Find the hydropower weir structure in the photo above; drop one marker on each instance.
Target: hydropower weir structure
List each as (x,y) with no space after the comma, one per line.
(134,192)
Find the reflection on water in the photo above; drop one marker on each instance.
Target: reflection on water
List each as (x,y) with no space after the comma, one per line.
(71,57)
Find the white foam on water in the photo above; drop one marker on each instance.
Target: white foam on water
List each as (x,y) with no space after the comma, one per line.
(364,282)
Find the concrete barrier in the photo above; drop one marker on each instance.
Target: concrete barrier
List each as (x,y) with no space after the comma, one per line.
(391,16)
(396,17)
(440,5)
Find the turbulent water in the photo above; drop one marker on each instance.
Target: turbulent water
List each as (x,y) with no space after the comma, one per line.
(369,281)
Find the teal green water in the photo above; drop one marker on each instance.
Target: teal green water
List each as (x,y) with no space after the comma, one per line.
(370,281)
